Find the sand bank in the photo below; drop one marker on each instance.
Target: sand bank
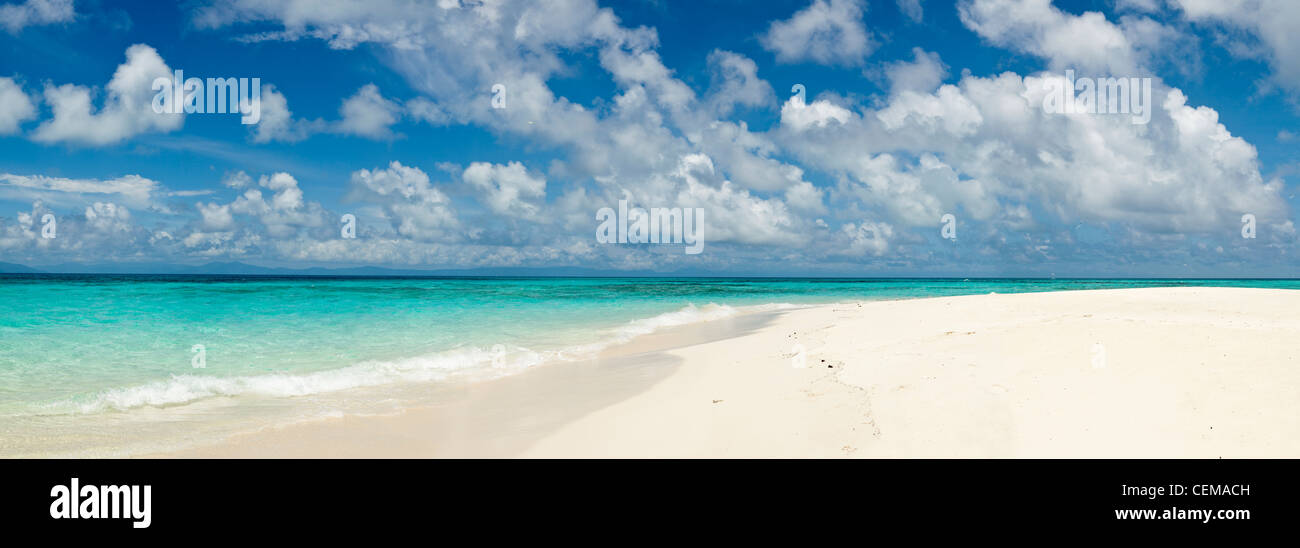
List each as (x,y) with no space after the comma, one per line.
(1164,372)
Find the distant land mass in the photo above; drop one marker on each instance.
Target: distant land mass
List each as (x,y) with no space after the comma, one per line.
(12,268)
(243,269)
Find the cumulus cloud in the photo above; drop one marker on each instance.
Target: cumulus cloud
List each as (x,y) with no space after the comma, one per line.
(285,213)
(820,113)
(948,110)
(108,218)
(15,106)
(982,148)
(126,111)
(827,32)
(806,197)
(237,179)
(746,157)
(277,122)
(867,238)
(737,215)
(14,17)
(1272,22)
(989,138)
(839,178)
(215,217)
(924,73)
(1086,42)
(507,189)
(409,202)
(367,113)
(735,82)
(97,230)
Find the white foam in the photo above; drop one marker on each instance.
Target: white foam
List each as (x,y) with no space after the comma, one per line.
(688,315)
(472,363)
(180,389)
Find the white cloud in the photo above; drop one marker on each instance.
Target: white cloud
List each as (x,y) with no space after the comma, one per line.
(868,237)
(424,110)
(736,82)
(819,113)
(238,179)
(13,17)
(286,213)
(981,148)
(216,217)
(828,32)
(917,195)
(989,138)
(277,122)
(368,114)
(364,114)
(96,231)
(948,108)
(1086,42)
(912,9)
(734,214)
(127,109)
(133,190)
(745,157)
(1271,22)
(806,197)
(108,218)
(15,106)
(923,74)
(414,207)
(646,69)
(507,189)
(287,194)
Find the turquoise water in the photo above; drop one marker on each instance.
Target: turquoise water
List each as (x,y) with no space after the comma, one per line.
(94,344)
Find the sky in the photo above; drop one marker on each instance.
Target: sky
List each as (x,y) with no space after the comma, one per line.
(814,137)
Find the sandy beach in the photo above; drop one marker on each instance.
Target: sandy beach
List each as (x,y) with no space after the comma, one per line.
(1161,372)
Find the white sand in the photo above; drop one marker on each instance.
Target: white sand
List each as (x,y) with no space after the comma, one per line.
(1169,372)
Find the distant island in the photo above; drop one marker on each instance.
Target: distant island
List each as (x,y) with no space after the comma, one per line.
(244,269)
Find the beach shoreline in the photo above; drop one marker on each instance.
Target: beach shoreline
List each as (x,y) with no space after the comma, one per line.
(1188,372)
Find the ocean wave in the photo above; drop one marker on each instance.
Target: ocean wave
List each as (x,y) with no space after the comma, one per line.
(470,363)
(687,315)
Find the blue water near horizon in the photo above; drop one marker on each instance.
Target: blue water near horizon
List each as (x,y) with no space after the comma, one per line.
(78,344)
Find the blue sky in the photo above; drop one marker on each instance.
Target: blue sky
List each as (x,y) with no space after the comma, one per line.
(913,110)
